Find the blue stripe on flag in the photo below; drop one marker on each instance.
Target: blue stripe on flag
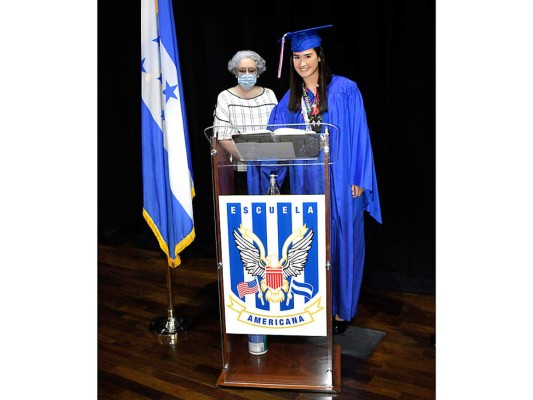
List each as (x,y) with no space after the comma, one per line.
(168,182)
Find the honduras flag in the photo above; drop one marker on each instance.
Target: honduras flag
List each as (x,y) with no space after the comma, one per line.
(302,289)
(168,184)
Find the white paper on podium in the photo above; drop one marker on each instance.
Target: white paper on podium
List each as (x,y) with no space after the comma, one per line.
(291,131)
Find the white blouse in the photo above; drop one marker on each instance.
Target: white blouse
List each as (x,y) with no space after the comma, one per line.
(233,114)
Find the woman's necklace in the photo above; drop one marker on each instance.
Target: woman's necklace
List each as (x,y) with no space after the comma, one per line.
(310,111)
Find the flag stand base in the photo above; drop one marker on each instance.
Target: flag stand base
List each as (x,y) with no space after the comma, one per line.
(168,328)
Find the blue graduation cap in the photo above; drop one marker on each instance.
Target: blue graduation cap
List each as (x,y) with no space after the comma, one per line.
(300,41)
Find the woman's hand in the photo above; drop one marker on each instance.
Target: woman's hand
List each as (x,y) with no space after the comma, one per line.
(357,191)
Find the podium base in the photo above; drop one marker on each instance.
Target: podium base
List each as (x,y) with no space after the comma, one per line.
(308,368)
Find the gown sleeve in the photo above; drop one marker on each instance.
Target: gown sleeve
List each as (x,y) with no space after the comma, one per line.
(353,149)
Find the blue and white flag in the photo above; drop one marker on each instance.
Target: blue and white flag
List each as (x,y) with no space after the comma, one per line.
(168,184)
(302,289)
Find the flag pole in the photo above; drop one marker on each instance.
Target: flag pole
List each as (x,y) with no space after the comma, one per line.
(169,327)
(168,181)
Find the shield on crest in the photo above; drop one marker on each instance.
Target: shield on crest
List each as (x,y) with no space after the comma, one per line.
(274,277)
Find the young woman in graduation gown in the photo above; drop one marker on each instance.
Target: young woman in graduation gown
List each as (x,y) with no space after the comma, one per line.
(315,97)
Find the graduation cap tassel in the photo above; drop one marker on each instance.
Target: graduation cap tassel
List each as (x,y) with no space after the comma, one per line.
(281,55)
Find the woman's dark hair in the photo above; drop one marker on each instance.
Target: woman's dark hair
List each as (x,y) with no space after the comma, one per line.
(296,81)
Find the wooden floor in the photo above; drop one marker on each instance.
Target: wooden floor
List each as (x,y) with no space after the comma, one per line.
(134,364)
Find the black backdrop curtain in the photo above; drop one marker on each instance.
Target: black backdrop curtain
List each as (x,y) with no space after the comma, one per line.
(387,47)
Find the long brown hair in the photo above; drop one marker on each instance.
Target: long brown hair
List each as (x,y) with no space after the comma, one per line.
(296,81)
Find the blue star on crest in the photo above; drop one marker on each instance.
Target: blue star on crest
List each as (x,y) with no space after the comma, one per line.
(142,65)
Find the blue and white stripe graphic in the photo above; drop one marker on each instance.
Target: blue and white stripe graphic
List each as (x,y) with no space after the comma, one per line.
(273,223)
(168,183)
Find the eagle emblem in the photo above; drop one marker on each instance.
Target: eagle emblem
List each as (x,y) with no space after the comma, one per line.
(273,273)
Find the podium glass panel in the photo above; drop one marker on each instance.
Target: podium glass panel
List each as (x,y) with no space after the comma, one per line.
(273,258)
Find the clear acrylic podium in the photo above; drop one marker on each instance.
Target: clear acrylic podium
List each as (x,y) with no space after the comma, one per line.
(273,261)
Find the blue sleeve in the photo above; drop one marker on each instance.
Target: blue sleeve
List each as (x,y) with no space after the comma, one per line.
(352,150)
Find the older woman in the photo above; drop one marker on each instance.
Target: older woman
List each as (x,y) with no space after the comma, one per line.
(243,108)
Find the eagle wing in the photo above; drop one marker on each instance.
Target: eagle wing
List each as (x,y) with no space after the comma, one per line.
(250,255)
(297,255)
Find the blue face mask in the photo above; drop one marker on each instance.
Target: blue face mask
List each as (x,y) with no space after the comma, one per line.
(247,81)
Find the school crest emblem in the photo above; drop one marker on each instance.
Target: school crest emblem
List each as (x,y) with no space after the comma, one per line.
(273,272)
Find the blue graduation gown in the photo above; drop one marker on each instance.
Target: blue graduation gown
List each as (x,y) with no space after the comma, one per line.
(353,163)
